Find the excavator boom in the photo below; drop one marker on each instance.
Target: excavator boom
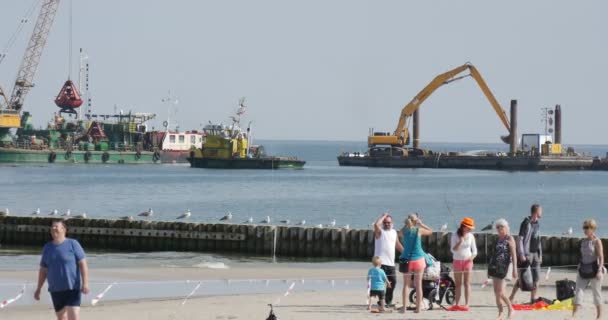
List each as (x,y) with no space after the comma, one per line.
(400,136)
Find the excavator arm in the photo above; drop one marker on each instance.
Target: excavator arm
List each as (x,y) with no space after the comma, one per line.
(400,136)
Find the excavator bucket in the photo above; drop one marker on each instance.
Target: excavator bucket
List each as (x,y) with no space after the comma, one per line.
(506,139)
(68,98)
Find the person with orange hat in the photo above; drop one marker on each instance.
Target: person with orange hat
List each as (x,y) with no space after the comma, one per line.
(464,251)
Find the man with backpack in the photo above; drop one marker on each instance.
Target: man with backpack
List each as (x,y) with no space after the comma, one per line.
(529,252)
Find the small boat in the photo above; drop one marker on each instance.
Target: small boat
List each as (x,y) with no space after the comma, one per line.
(230,147)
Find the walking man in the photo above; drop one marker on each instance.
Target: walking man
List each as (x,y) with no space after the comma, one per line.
(529,248)
(63,265)
(385,242)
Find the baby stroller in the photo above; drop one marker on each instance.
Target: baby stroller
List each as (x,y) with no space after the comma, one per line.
(437,290)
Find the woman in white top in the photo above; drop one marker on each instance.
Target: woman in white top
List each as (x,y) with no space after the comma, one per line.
(464,250)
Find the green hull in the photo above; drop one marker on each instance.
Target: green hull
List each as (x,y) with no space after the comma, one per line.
(263,163)
(11,155)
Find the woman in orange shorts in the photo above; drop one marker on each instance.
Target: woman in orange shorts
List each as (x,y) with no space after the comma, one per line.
(412,259)
(464,251)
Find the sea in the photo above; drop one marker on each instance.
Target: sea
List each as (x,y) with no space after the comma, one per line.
(319,193)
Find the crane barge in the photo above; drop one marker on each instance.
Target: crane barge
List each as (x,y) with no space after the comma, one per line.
(530,152)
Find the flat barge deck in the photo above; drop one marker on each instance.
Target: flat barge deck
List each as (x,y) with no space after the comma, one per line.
(490,162)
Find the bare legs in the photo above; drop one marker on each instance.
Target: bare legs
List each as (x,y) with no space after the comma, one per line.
(598,309)
(68,313)
(407,282)
(458,275)
(499,294)
(418,284)
(467,286)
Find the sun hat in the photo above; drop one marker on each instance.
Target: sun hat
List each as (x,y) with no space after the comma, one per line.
(468,222)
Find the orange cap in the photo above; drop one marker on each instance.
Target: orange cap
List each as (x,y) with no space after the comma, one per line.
(468,222)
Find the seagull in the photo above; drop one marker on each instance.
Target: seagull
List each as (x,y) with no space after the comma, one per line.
(67,213)
(37,212)
(266,220)
(227,217)
(185,215)
(54,212)
(285,221)
(80,216)
(148,213)
(250,220)
(319,226)
(347,227)
(332,223)
(488,227)
(4,213)
(301,223)
(444,228)
(128,218)
(568,232)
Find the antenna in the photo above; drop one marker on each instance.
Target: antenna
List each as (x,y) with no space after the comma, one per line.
(169,100)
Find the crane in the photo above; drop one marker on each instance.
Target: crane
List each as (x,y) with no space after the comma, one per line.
(10,112)
(401,134)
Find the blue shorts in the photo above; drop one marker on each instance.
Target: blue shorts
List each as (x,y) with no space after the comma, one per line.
(68,298)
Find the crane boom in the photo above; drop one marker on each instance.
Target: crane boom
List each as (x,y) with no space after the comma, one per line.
(400,136)
(31,58)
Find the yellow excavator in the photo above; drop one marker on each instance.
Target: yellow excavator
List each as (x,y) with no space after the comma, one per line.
(400,137)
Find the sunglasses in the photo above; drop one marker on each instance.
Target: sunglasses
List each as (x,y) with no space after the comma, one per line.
(500,227)
(586,227)
(388,222)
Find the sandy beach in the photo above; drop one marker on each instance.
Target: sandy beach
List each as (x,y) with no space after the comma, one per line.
(314,295)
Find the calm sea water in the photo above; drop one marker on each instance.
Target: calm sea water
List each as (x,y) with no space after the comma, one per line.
(319,193)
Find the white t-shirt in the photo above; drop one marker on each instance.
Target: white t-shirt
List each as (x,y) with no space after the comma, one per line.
(384,246)
(467,249)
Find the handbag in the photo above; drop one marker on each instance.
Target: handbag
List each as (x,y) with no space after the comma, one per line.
(588,270)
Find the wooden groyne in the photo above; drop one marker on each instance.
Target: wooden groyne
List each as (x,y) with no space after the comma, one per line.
(284,241)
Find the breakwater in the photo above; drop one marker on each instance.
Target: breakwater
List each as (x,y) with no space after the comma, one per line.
(282,241)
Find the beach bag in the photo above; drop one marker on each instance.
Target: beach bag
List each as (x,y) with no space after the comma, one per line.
(564,289)
(526,283)
(433,268)
(588,270)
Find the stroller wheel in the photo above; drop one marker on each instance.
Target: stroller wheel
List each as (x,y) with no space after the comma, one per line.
(450,296)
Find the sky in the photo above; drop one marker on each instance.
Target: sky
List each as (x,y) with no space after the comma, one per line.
(328,70)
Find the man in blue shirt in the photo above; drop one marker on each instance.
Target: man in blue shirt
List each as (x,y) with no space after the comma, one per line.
(63,265)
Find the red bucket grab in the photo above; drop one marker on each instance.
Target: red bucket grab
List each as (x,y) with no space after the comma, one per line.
(68,97)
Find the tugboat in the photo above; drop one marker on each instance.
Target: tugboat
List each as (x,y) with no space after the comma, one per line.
(229,147)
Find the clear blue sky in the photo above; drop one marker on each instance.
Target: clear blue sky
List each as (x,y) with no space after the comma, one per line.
(329,70)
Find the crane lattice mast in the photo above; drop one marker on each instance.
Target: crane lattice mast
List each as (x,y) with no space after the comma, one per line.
(29,64)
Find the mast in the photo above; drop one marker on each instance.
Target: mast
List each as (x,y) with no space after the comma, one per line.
(33,52)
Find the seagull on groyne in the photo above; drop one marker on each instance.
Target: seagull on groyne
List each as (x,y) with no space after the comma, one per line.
(80,216)
(128,218)
(250,220)
(444,229)
(148,213)
(320,225)
(286,221)
(266,220)
(488,227)
(346,227)
(67,213)
(301,223)
(185,215)
(568,232)
(332,223)
(54,212)
(37,212)
(5,213)
(227,217)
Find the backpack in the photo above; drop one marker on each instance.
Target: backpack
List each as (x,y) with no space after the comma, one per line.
(564,289)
